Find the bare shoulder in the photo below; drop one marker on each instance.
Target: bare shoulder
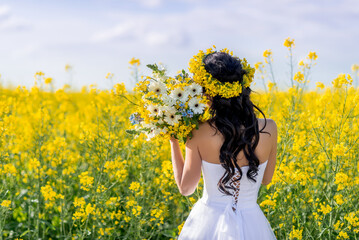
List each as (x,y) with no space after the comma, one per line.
(198,133)
(203,128)
(268,125)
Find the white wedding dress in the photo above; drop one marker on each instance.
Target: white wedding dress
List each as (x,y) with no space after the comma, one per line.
(217,216)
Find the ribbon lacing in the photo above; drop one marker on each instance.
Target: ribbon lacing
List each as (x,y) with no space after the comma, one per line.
(236,185)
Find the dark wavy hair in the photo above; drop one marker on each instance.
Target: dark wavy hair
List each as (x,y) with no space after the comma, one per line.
(234,118)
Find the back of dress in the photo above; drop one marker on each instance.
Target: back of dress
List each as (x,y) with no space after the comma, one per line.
(223,217)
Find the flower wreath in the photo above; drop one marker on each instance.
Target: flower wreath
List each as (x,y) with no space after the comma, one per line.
(213,86)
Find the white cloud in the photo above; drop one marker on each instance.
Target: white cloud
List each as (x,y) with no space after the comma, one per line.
(157,38)
(26,50)
(145,30)
(124,30)
(9,22)
(151,3)
(14,24)
(4,11)
(160,3)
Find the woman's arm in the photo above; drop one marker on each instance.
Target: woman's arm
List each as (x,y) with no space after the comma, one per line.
(187,173)
(268,173)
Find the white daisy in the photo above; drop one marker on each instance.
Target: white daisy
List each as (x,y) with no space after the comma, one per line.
(196,106)
(164,130)
(169,101)
(171,109)
(195,89)
(179,94)
(171,117)
(153,133)
(155,110)
(148,125)
(158,88)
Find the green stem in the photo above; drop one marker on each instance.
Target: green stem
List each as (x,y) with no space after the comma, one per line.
(291,66)
(128,100)
(271,71)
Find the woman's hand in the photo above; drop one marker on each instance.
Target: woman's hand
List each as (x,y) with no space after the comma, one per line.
(172,139)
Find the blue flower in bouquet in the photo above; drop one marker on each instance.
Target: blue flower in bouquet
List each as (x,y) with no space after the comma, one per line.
(135,118)
(183,112)
(190,113)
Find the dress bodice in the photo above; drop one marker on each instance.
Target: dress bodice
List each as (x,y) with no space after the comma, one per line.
(248,190)
(217,216)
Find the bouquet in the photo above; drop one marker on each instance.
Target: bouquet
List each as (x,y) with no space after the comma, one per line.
(169,106)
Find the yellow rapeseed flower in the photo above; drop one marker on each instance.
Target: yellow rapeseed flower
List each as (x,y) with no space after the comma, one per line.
(109,75)
(296,234)
(34,163)
(86,181)
(48,80)
(339,199)
(134,62)
(325,209)
(258,65)
(343,235)
(342,79)
(135,186)
(120,89)
(89,209)
(289,43)
(180,227)
(342,180)
(39,74)
(48,193)
(6,203)
(320,85)
(299,77)
(312,56)
(267,54)
(268,202)
(352,218)
(9,168)
(68,67)
(270,85)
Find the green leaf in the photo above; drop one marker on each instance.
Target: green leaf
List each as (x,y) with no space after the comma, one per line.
(155,100)
(169,233)
(186,121)
(24,233)
(131,131)
(153,67)
(190,135)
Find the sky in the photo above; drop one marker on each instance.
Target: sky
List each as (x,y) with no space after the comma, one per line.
(100,36)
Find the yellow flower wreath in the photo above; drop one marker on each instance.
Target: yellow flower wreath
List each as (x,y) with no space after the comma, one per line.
(213,86)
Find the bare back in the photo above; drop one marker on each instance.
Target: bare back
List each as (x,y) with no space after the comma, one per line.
(210,144)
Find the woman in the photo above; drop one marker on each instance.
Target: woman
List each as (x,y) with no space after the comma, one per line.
(236,152)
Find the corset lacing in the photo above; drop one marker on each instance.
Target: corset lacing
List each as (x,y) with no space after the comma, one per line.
(236,185)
